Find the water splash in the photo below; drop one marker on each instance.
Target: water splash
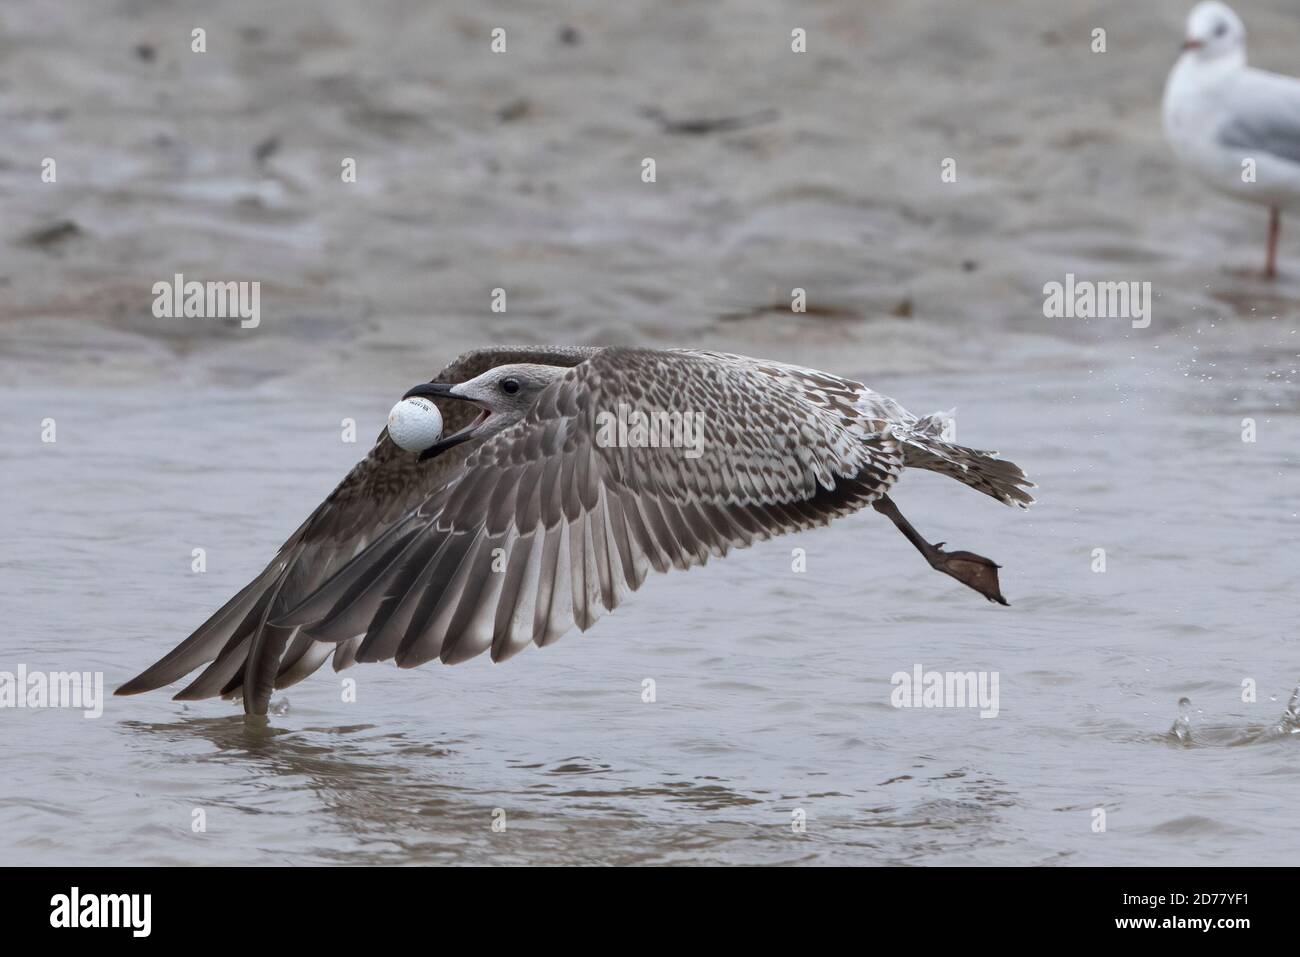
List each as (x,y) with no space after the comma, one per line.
(1209,736)
(1289,723)
(278,706)
(1182,727)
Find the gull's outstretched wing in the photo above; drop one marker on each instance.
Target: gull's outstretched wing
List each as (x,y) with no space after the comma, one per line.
(254,655)
(553,520)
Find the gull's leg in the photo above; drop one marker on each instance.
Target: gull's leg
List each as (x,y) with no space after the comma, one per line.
(1274,230)
(974,571)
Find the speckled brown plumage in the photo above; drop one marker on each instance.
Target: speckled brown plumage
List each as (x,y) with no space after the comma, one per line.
(544,526)
(377,491)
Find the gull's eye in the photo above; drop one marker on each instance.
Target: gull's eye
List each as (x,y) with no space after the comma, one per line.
(509,386)
(1221,29)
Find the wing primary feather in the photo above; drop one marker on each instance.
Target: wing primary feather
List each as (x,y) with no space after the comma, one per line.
(299,646)
(579,552)
(214,678)
(226,672)
(560,618)
(305,664)
(513,590)
(547,582)
(345,653)
(640,532)
(617,524)
(329,597)
(355,612)
(210,638)
(472,627)
(661,532)
(393,619)
(475,582)
(423,639)
(601,546)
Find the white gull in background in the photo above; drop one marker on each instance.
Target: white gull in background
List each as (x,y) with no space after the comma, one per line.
(524,522)
(1219,114)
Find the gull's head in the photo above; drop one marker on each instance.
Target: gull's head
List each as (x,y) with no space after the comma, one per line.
(503,394)
(1215,32)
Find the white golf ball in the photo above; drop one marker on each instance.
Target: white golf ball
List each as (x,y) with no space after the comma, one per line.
(415,424)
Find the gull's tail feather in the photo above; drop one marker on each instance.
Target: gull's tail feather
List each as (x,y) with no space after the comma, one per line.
(923,448)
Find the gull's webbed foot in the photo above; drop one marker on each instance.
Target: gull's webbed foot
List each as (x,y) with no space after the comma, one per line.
(973,571)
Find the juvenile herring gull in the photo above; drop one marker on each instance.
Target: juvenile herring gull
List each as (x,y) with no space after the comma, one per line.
(531,516)
(1236,128)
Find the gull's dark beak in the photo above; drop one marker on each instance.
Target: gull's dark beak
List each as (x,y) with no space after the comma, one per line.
(441,390)
(430,390)
(1192,45)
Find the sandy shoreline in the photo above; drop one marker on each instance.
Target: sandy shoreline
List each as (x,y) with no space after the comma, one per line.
(521,171)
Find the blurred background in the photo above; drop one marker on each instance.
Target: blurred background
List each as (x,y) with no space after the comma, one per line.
(522,171)
(774,170)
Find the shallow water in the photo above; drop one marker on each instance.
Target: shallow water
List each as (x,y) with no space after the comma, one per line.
(772,687)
